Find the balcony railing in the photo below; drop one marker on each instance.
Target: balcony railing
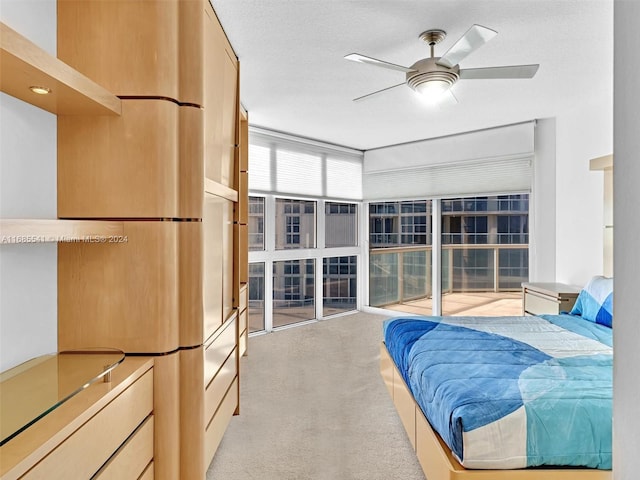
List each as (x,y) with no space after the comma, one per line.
(401,274)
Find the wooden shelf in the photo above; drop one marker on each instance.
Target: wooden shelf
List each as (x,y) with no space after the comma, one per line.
(220,190)
(43,230)
(601,163)
(24,64)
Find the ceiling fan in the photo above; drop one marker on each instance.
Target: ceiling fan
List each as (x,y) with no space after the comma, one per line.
(433,77)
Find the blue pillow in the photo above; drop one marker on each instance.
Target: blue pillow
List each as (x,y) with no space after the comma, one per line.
(595,301)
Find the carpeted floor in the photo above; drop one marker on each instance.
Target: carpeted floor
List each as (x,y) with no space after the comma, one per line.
(313,407)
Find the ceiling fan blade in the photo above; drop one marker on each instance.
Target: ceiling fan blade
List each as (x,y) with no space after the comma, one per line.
(376,92)
(513,71)
(473,39)
(356,57)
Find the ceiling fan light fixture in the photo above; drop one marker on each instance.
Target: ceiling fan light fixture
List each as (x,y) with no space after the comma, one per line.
(432,86)
(432,90)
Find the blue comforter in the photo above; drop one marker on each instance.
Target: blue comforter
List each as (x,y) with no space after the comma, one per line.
(511,392)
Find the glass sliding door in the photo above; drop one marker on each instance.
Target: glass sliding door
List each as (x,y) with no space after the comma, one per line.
(293,291)
(339,284)
(256,297)
(400,253)
(484,254)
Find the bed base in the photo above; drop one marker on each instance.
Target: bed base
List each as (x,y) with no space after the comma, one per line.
(437,461)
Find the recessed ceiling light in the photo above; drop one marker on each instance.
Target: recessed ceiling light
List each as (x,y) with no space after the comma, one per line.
(40,90)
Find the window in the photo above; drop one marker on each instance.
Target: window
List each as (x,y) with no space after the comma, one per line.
(256,297)
(295,224)
(339,284)
(256,223)
(293,291)
(483,257)
(394,224)
(341,225)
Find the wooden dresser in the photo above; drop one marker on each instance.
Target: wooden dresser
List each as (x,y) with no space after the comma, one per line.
(105,431)
(152,208)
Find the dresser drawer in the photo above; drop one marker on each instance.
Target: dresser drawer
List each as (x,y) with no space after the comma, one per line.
(88,448)
(218,349)
(537,304)
(132,458)
(215,429)
(216,390)
(148,473)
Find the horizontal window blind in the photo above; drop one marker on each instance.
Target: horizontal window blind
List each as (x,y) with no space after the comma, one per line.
(283,164)
(496,160)
(456,179)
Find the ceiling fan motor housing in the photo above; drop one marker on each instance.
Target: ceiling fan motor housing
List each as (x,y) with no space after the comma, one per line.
(427,70)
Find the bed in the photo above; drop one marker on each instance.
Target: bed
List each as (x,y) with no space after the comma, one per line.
(507,397)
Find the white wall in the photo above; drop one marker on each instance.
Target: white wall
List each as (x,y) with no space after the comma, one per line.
(28,273)
(542,204)
(582,134)
(626,171)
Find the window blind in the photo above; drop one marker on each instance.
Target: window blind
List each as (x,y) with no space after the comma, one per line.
(283,164)
(475,177)
(497,160)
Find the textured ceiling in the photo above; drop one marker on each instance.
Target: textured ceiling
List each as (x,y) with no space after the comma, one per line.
(294,78)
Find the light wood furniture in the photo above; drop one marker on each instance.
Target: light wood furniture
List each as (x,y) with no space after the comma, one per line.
(154,163)
(24,64)
(548,298)
(436,459)
(104,430)
(605,164)
(241,232)
(107,429)
(166,169)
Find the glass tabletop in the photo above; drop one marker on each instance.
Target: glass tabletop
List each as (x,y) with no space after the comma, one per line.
(35,388)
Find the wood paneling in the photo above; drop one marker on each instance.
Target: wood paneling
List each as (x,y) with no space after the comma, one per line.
(191,413)
(124,295)
(241,214)
(241,252)
(220,102)
(121,167)
(213,263)
(227,260)
(132,457)
(190,263)
(131,48)
(218,262)
(191,167)
(191,50)
(24,64)
(166,410)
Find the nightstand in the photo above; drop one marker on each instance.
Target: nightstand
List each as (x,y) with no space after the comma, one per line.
(548,298)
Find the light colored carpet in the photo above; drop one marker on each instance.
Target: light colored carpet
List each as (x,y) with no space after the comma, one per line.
(314,407)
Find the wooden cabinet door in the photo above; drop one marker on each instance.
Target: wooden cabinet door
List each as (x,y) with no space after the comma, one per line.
(220,102)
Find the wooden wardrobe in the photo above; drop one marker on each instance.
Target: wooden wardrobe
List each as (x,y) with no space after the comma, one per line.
(173,169)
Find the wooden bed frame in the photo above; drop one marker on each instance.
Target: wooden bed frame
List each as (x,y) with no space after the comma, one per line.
(436,459)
